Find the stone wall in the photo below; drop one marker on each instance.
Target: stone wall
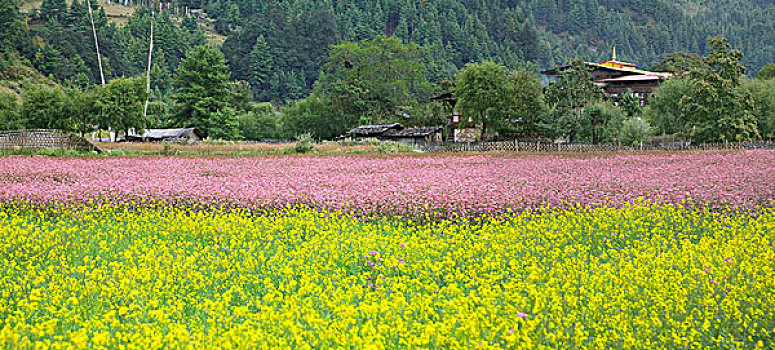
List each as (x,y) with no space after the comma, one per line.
(44,138)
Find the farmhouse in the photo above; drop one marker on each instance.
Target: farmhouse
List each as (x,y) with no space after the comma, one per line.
(415,136)
(458,128)
(371,131)
(617,78)
(423,136)
(187,135)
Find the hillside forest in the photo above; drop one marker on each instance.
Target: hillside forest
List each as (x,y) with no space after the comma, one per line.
(284,68)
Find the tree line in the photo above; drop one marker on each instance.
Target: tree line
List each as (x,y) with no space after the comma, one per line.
(382,81)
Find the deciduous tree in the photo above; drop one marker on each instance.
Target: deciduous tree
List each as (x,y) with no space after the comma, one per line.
(715,109)
(10,119)
(120,104)
(665,113)
(374,78)
(483,92)
(43,107)
(567,98)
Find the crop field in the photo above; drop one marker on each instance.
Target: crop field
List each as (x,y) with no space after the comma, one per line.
(398,252)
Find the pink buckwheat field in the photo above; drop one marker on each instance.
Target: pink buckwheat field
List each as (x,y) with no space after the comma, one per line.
(462,185)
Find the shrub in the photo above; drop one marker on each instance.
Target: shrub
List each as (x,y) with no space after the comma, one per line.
(396,147)
(257,126)
(634,131)
(304,143)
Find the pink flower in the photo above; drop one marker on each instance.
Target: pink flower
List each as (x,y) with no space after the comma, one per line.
(522,315)
(452,186)
(373,252)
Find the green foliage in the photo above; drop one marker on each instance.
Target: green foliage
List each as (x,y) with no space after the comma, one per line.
(120,104)
(158,114)
(82,109)
(526,105)
(365,120)
(665,113)
(9,113)
(9,26)
(676,63)
(304,144)
(567,98)
(59,43)
(373,78)
(313,115)
(767,72)
(203,94)
(261,66)
(43,107)
(240,95)
(223,124)
(482,91)
(630,104)
(261,123)
(280,49)
(715,109)
(53,9)
(762,93)
(600,122)
(634,131)
(428,114)
(48,152)
(547,32)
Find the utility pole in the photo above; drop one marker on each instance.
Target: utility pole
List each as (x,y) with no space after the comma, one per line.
(148,73)
(96,44)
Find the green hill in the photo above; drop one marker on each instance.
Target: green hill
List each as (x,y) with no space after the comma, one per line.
(290,39)
(545,32)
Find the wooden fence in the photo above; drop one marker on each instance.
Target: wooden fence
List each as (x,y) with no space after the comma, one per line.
(539,147)
(44,138)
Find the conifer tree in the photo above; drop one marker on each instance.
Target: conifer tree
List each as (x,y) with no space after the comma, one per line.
(261,66)
(203,96)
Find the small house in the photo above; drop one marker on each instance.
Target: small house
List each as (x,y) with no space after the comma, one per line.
(423,136)
(459,129)
(184,135)
(371,131)
(415,136)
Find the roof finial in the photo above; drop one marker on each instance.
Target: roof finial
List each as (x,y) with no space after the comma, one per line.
(613,57)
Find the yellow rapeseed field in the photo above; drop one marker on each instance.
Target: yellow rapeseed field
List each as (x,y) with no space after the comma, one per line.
(640,277)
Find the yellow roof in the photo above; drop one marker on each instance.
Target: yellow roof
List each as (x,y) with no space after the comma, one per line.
(623,69)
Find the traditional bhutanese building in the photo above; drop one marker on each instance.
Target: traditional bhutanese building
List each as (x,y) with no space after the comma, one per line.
(617,78)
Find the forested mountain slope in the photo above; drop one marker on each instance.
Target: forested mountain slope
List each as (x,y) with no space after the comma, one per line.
(280,46)
(295,34)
